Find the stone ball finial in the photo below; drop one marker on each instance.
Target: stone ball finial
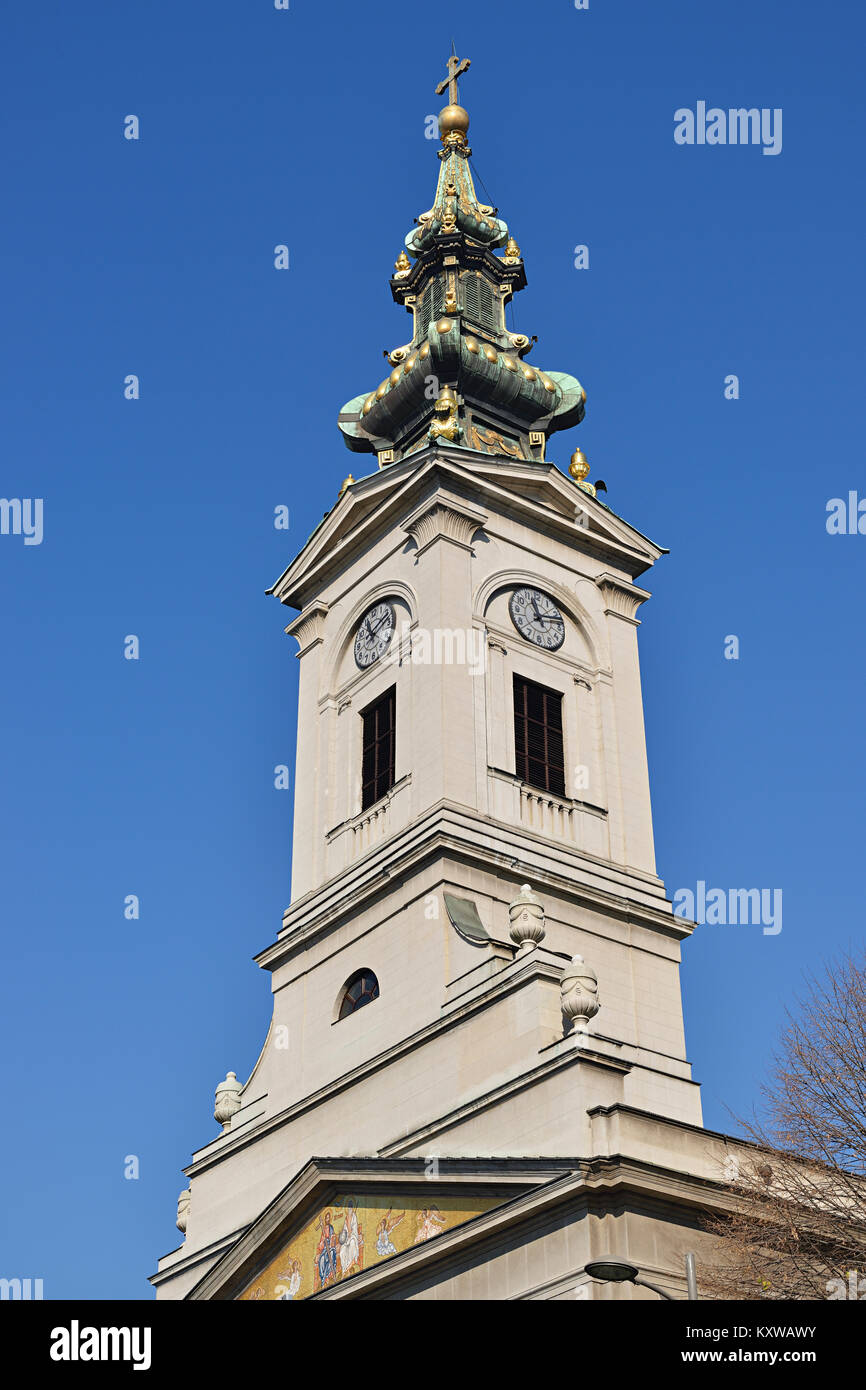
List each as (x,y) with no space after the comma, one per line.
(228,1099)
(183,1202)
(527,919)
(579,993)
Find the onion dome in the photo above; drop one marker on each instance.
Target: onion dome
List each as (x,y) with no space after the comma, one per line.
(461,379)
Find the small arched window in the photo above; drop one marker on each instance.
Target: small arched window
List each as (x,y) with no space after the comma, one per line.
(362,989)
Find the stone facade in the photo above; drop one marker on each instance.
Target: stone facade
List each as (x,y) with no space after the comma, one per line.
(469,1053)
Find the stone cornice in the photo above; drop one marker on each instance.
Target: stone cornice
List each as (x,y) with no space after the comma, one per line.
(319,1175)
(535,492)
(578,1053)
(588,1188)
(451,831)
(587,1185)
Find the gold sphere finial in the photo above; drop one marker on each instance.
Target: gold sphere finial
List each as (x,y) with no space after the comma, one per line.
(453,122)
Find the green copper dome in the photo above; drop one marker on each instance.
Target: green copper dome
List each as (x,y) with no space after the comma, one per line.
(461,378)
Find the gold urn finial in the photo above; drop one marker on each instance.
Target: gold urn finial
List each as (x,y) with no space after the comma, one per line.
(402,265)
(579,470)
(454,118)
(512,252)
(347,482)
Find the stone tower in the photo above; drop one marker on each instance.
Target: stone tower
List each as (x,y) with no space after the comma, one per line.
(475,1078)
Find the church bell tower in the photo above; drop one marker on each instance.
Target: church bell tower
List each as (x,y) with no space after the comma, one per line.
(475,1078)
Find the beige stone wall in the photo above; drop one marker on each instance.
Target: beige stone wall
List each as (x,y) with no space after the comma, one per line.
(455,728)
(466,1051)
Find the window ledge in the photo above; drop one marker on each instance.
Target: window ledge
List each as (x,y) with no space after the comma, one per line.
(565,803)
(370,812)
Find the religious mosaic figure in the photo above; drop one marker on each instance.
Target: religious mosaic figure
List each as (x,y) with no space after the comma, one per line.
(326,1252)
(292,1277)
(351,1241)
(384,1244)
(430,1223)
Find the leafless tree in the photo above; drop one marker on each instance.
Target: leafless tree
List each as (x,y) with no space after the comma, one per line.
(797,1217)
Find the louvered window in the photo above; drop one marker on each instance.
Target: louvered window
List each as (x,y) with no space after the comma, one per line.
(430,306)
(478,300)
(538,736)
(377,767)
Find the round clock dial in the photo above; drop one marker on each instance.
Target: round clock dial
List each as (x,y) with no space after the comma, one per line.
(537,618)
(374,634)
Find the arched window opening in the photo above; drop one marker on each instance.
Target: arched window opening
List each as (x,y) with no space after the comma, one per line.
(362,989)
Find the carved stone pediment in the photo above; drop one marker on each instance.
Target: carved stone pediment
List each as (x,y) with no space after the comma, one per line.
(537,491)
(341,1217)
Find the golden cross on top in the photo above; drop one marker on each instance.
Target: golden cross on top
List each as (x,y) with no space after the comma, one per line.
(456,66)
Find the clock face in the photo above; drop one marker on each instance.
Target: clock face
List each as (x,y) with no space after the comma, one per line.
(374,634)
(537,618)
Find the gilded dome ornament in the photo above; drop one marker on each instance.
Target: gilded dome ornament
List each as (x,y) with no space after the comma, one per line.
(579,470)
(512,252)
(453,124)
(402,266)
(445,424)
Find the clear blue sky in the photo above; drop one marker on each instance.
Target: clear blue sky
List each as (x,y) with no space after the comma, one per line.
(155,257)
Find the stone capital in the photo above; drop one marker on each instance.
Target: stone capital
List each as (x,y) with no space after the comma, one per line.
(444,520)
(621,599)
(307,628)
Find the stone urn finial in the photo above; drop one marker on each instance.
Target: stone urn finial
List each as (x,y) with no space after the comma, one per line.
(527,919)
(228,1099)
(183,1202)
(579,993)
